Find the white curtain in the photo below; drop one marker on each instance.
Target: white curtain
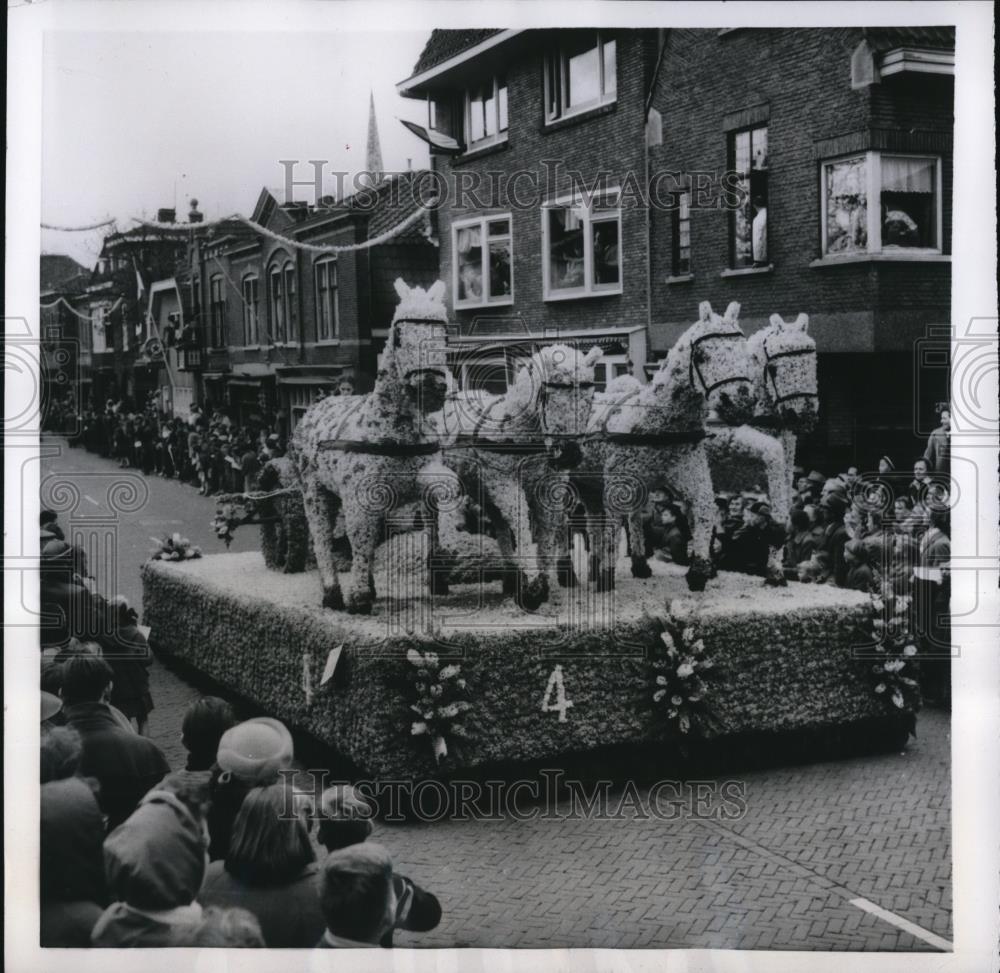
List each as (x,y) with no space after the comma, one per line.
(900,175)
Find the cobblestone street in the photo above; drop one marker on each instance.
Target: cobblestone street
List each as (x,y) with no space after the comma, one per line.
(844,855)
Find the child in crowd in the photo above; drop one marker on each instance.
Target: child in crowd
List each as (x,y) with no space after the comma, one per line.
(203,726)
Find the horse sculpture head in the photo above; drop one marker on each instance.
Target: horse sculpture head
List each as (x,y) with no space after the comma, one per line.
(414,363)
(708,368)
(556,388)
(783,359)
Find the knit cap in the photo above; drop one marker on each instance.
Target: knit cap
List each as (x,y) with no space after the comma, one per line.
(256,750)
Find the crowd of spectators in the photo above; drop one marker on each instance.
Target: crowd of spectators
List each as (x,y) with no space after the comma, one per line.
(881,533)
(238,853)
(205,449)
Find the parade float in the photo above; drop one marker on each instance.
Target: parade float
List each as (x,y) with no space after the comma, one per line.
(418,653)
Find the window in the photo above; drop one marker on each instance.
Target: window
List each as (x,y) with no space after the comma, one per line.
(327,311)
(580,74)
(486,113)
(291,308)
(276,307)
(217,311)
(580,246)
(482,261)
(251,300)
(681,234)
(281,302)
(748,222)
(876,203)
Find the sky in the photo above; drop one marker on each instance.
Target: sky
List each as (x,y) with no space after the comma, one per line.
(141,120)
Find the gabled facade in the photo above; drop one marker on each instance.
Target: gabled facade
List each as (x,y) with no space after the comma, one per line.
(269,325)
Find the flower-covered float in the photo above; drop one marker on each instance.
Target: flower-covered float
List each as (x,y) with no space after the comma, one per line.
(436,671)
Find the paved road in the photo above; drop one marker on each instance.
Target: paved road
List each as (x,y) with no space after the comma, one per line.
(845,855)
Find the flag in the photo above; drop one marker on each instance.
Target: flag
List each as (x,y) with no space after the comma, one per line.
(139,285)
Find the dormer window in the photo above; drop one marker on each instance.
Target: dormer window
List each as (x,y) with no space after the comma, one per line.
(580,74)
(486,113)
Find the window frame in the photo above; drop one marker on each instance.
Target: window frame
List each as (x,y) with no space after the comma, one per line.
(217,312)
(589,289)
(501,134)
(285,309)
(565,111)
(482,222)
(327,262)
(251,310)
(675,234)
(873,188)
(731,138)
(275,305)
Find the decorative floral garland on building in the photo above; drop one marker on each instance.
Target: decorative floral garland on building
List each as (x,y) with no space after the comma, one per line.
(440,703)
(681,671)
(893,659)
(173,548)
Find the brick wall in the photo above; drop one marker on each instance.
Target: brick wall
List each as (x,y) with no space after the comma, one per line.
(803,77)
(610,139)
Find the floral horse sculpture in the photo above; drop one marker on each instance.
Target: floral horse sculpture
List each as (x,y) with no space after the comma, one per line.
(655,434)
(783,362)
(508,451)
(367,453)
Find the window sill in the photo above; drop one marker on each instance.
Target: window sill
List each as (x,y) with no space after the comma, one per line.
(327,342)
(481,151)
(473,306)
(248,348)
(748,271)
(679,279)
(578,295)
(583,115)
(890,257)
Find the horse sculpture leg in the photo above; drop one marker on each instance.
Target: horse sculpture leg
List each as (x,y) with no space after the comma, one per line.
(365,530)
(637,546)
(321,513)
(512,507)
(693,479)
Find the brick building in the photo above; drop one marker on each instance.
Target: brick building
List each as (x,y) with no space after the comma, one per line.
(527,119)
(841,140)
(260,327)
(600,184)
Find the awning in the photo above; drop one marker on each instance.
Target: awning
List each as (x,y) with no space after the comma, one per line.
(253,382)
(442,143)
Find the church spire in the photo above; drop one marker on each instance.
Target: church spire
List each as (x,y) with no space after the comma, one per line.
(373,154)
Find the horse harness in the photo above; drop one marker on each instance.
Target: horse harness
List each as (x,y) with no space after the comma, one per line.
(695,366)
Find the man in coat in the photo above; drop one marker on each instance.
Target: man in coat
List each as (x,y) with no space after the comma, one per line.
(125,764)
(938,451)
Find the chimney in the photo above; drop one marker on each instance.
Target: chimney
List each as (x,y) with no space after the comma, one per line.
(166,216)
(193,215)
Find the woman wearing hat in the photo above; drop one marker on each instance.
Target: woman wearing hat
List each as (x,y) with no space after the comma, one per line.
(251,754)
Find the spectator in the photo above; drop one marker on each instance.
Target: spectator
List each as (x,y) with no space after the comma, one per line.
(801,542)
(270,869)
(675,535)
(250,754)
(250,467)
(817,570)
(345,820)
(204,723)
(48,520)
(835,535)
(938,451)
(747,552)
(358,897)
(126,764)
(860,576)
(128,653)
(155,865)
(921,481)
(60,753)
(51,710)
(71,872)
(816,481)
(222,928)
(902,508)
(885,466)
(68,608)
